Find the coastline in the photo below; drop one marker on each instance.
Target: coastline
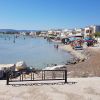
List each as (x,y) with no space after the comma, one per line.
(86,64)
(87,68)
(77,56)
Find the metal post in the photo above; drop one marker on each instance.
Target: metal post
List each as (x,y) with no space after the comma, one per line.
(65,76)
(22,76)
(7,76)
(31,75)
(44,74)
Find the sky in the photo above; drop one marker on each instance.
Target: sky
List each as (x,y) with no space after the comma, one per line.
(48,14)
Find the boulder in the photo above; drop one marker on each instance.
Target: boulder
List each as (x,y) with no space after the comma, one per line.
(6,67)
(21,65)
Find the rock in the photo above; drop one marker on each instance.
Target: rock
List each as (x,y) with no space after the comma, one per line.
(82,60)
(72,61)
(6,67)
(21,65)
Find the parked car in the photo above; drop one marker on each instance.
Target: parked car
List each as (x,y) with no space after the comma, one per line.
(78,47)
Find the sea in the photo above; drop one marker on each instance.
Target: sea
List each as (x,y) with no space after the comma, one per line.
(36,52)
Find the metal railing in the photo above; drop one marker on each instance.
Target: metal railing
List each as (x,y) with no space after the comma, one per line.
(36,75)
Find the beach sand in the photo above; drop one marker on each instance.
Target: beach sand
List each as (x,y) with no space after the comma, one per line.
(88,68)
(82,89)
(76,53)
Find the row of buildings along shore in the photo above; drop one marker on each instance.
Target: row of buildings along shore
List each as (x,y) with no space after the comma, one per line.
(89,30)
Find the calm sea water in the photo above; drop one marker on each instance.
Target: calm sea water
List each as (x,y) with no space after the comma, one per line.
(36,52)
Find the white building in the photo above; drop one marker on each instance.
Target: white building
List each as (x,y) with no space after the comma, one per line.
(22,33)
(90,30)
(54,32)
(32,33)
(43,33)
(64,33)
(96,28)
(79,30)
(70,32)
(50,32)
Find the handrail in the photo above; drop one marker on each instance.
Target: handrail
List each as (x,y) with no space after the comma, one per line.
(32,77)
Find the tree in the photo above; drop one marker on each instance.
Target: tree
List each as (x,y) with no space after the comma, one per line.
(97,34)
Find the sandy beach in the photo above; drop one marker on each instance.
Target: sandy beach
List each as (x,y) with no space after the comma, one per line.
(88,68)
(75,53)
(82,89)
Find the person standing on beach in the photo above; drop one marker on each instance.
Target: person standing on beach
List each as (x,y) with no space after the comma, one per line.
(57,46)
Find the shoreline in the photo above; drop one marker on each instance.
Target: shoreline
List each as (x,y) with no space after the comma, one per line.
(86,64)
(77,57)
(88,68)
(74,53)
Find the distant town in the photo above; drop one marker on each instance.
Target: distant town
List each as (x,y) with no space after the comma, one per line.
(57,33)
